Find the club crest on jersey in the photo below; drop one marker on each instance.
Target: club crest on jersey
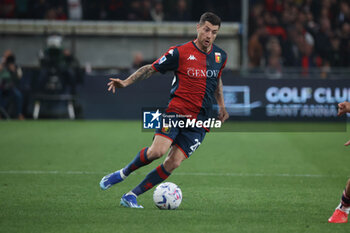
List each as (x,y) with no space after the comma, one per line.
(191,58)
(217,57)
(166,129)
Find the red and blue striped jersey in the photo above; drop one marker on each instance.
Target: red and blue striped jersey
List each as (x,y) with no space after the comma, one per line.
(196,78)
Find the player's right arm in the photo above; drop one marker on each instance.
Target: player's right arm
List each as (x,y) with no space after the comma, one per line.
(343,108)
(169,61)
(142,73)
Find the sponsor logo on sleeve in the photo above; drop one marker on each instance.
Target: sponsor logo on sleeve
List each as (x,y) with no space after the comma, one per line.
(161,60)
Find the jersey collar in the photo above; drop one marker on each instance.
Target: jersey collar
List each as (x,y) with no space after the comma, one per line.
(194,44)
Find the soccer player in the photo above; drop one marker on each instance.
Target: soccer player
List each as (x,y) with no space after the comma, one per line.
(197,66)
(341,213)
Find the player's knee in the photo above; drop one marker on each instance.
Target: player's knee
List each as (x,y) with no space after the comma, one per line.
(176,164)
(155,153)
(172,163)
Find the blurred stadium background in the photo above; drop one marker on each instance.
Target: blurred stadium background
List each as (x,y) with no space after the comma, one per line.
(288,61)
(64,52)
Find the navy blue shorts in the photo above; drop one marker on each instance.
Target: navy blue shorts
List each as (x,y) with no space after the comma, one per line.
(186,139)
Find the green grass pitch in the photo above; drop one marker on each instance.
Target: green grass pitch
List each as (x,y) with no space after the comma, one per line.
(235,182)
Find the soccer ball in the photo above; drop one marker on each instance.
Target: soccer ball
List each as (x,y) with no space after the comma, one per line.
(167,196)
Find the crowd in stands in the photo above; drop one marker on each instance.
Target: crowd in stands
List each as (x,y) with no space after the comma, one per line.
(309,34)
(10,75)
(131,10)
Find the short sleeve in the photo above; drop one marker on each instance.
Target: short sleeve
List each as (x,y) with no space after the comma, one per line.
(168,62)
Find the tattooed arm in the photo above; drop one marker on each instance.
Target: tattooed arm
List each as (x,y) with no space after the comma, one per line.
(143,73)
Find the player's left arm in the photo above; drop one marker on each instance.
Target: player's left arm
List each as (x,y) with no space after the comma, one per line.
(219,96)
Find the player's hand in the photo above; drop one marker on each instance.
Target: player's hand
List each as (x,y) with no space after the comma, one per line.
(223,115)
(343,107)
(347,143)
(115,83)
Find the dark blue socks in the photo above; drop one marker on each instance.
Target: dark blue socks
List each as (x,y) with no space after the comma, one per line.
(140,160)
(153,178)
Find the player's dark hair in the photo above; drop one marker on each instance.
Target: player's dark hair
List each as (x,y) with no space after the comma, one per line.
(211,18)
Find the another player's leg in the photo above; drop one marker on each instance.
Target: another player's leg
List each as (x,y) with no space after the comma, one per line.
(156,176)
(158,148)
(341,213)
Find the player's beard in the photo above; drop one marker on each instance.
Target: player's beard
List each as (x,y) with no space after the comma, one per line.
(205,43)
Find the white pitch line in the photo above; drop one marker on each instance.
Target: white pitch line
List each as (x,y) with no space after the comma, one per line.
(257,174)
(176,173)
